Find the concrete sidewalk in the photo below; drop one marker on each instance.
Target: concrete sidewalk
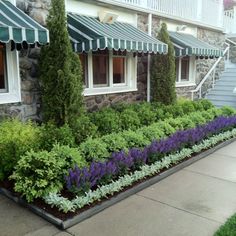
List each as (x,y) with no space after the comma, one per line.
(193,202)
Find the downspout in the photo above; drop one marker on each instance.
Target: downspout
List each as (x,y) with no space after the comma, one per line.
(149,60)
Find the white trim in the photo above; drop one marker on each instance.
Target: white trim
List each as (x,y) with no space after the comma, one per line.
(13,78)
(130,84)
(184,84)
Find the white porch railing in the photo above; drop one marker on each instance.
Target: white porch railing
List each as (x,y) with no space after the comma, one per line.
(230,21)
(210,76)
(205,12)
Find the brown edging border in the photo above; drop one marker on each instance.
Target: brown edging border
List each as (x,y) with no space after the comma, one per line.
(96,209)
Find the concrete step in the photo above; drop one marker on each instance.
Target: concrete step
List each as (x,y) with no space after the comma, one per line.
(227,79)
(223,103)
(222,98)
(226,83)
(219,87)
(221,92)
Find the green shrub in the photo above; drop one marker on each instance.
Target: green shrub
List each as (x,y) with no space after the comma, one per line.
(166,128)
(51,135)
(175,123)
(215,112)
(198,106)
(187,106)
(228,111)
(16,138)
(129,120)
(39,173)
(152,132)
(115,142)
(206,104)
(208,116)
(107,121)
(83,128)
(145,113)
(175,110)
(135,139)
(186,122)
(94,150)
(197,118)
(71,156)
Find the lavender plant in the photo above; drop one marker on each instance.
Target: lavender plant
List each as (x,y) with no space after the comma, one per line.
(121,163)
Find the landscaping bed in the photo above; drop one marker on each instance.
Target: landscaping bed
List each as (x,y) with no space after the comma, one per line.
(66,175)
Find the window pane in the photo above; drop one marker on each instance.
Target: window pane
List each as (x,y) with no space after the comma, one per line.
(118,70)
(100,70)
(177,69)
(2,68)
(84,64)
(185,69)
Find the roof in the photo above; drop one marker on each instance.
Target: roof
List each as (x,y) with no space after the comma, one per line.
(188,45)
(18,27)
(89,34)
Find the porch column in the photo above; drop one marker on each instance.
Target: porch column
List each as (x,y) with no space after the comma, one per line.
(149,59)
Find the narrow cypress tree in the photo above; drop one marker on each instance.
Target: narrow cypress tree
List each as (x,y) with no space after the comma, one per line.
(60,71)
(163,73)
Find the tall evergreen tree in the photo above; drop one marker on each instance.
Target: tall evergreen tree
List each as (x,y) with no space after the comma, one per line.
(60,71)
(163,73)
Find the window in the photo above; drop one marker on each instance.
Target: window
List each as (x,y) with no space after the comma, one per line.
(9,75)
(118,70)
(84,64)
(185,70)
(110,72)
(100,70)
(3,72)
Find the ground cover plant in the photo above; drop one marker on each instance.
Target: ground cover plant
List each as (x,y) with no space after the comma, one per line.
(46,160)
(228,229)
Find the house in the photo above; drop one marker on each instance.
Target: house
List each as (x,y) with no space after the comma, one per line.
(115,40)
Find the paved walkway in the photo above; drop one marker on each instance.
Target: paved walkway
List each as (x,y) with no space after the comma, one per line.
(193,202)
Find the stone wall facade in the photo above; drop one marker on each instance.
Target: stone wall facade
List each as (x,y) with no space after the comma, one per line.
(29,107)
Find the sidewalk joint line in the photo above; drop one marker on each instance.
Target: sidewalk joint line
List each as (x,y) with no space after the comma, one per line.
(210,176)
(183,210)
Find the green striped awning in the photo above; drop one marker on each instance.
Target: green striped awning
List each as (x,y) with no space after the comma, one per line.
(188,45)
(19,29)
(89,34)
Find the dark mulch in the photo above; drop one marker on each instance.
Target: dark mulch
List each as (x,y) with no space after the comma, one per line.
(9,185)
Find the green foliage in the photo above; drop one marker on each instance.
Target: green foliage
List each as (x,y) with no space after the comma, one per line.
(16,138)
(163,73)
(60,71)
(152,132)
(135,139)
(39,173)
(187,106)
(206,104)
(51,135)
(175,123)
(83,128)
(129,120)
(197,118)
(71,156)
(228,111)
(187,122)
(115,142)
(146,113)
(228,229)
(94,149)
(107,121)
(165,127)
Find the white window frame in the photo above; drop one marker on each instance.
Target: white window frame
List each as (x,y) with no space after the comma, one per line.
(125,71)
(13,92)
(192,73)
(130,84)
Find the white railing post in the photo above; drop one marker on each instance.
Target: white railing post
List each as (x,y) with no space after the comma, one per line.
(200,92)
(199,10)
(213,78)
